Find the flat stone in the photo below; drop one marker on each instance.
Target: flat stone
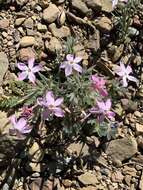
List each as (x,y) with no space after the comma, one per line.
(3,65)
(61,32)
(104,24)
(4,24)
(35,153)
(78,149)
(107,5)
(122,149)
(141,182)
(27,41)
(88,179)
(41,27)
(35,167)
(50,14)
(19,21)
(139,129)
(88,188)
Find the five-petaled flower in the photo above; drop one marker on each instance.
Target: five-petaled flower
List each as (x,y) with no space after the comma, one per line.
(102,110)
(20,126)
(124,73)
(28,71)
(71,64)
(98,83)
(51,106)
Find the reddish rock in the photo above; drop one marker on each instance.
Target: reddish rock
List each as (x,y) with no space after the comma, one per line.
(26,53)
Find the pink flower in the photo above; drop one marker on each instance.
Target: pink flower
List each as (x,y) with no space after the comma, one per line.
(20,126)
(28,71)
(124,73)
(71,64)
(98,83)
(103,110)
(52,106)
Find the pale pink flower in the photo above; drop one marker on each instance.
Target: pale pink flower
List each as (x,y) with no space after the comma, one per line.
(98,83)
(20,126)
(51,105)
(103,110)
(28,71)
(71,64)
(124,73)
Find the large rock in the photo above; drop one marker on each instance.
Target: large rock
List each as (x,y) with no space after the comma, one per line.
(61,32)
(94,4)
(53,46)
(80,6)
(27,41)
(122,149)
(51,13)
(104,24)
(3,65)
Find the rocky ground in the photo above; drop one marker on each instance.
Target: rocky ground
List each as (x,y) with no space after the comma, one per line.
(40,29)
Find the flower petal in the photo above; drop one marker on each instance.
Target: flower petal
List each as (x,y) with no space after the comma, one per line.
(36,69)
(131,78)
(101,106)
(22,76)
(125,83)
(31,63)
(108,104)
(59,101)
(58,112)
(77,67)
(68,69)
(70,57)
(103,92)
(22,66)
(110,114)
(31,77)
(50,98)
(13,119)
(77,59)
(21,123)
(63,65)
(128,69)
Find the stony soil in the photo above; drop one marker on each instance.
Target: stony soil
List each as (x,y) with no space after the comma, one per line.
(39,28)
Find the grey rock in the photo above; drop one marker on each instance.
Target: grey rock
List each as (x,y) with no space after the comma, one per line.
(122,149)
(50,14)
(3,65)
(80,6)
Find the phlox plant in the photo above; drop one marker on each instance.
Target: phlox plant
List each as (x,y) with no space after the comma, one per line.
(74,100)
